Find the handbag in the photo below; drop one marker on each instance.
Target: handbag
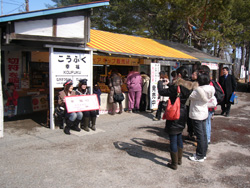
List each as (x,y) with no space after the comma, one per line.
(118,97)
(212,103)
(172,111)
(59,111)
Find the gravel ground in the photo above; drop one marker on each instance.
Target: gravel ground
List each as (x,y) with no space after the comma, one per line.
(127,150)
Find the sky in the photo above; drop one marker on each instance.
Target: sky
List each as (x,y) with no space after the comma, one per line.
(14,6)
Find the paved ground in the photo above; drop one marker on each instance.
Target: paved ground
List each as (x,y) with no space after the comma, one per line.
(127,150)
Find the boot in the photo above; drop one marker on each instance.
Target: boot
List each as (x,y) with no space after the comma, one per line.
(180,151)
(93,120)
(75,126)
(120,106)
(174,160)
(69,124)
(85,124)
(113,108)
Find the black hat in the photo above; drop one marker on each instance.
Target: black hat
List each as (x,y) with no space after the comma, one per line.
(83,81)
(68,82)
(162,73)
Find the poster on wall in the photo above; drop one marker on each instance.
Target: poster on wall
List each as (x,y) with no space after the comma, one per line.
(74,66)
(155,77)
(177,65)
(13,68)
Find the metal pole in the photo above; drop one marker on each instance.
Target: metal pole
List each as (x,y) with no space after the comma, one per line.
(1,92)
(51,89)
(27,5)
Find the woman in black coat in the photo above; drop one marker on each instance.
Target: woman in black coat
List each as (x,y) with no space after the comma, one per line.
(175,128)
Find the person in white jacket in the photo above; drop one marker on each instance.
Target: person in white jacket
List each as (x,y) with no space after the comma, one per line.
(199,112)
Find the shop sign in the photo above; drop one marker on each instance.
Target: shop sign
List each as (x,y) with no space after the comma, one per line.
(81,103)
(105,60)
(155,77)
(212,66)
(74,66)
(13,68)
(167,63)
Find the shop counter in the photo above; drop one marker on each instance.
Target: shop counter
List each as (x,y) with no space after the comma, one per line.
(106,107)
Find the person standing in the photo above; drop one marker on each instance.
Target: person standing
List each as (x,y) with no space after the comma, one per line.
(163,99)
(175,128)
(11,97)
(115,87)
(98,92)
(190,129)
(198,112)
(88,116)
(74,118)
(228,84)
(134,84)
(145,87)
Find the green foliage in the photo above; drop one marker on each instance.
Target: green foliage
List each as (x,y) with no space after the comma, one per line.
(219,23)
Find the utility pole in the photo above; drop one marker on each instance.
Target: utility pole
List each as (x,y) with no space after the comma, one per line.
(27,5)
(1,7)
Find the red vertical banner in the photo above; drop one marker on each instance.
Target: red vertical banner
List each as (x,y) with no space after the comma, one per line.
(13,68)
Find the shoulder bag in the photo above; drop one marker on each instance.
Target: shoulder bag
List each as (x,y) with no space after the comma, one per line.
(172,111)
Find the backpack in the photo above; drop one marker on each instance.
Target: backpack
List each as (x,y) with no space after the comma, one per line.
(219,93)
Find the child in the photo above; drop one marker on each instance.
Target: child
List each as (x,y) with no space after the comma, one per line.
(11,96)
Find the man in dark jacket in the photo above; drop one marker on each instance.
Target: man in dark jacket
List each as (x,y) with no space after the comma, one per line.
(228,84)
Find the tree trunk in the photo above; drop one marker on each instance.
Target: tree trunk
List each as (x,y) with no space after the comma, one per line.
(242,60)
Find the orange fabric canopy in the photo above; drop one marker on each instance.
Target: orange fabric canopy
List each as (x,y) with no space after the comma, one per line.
(131,45)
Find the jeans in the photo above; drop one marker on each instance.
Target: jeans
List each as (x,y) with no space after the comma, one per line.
(175,142)
(208,126)
(201,134)
(74,115)
(190,129)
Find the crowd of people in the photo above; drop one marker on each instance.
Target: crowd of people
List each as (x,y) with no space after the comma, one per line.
(195,111)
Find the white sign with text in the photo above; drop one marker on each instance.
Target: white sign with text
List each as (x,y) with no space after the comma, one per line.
(74,66)
(81,103)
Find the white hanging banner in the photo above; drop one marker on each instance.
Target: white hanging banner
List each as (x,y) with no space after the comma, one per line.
(74,66)
(155,77)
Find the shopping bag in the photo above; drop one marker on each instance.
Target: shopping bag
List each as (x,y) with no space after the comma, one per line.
(233,98)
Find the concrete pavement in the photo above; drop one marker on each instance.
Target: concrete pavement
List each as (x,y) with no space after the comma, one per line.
(127,150)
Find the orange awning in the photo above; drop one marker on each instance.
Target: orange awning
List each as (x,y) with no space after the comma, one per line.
(114,43)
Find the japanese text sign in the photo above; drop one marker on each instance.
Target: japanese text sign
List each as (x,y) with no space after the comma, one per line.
(75,66)
(13,68)
(81,103)
(155,77)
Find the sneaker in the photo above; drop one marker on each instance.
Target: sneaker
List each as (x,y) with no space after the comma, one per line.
(97,116)
(130,111)
(194,158)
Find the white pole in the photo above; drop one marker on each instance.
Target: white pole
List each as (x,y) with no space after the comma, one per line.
(51,89)
(91,71)
(1,92)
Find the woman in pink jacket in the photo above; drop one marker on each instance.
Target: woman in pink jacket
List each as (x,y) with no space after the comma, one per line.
(134,84)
